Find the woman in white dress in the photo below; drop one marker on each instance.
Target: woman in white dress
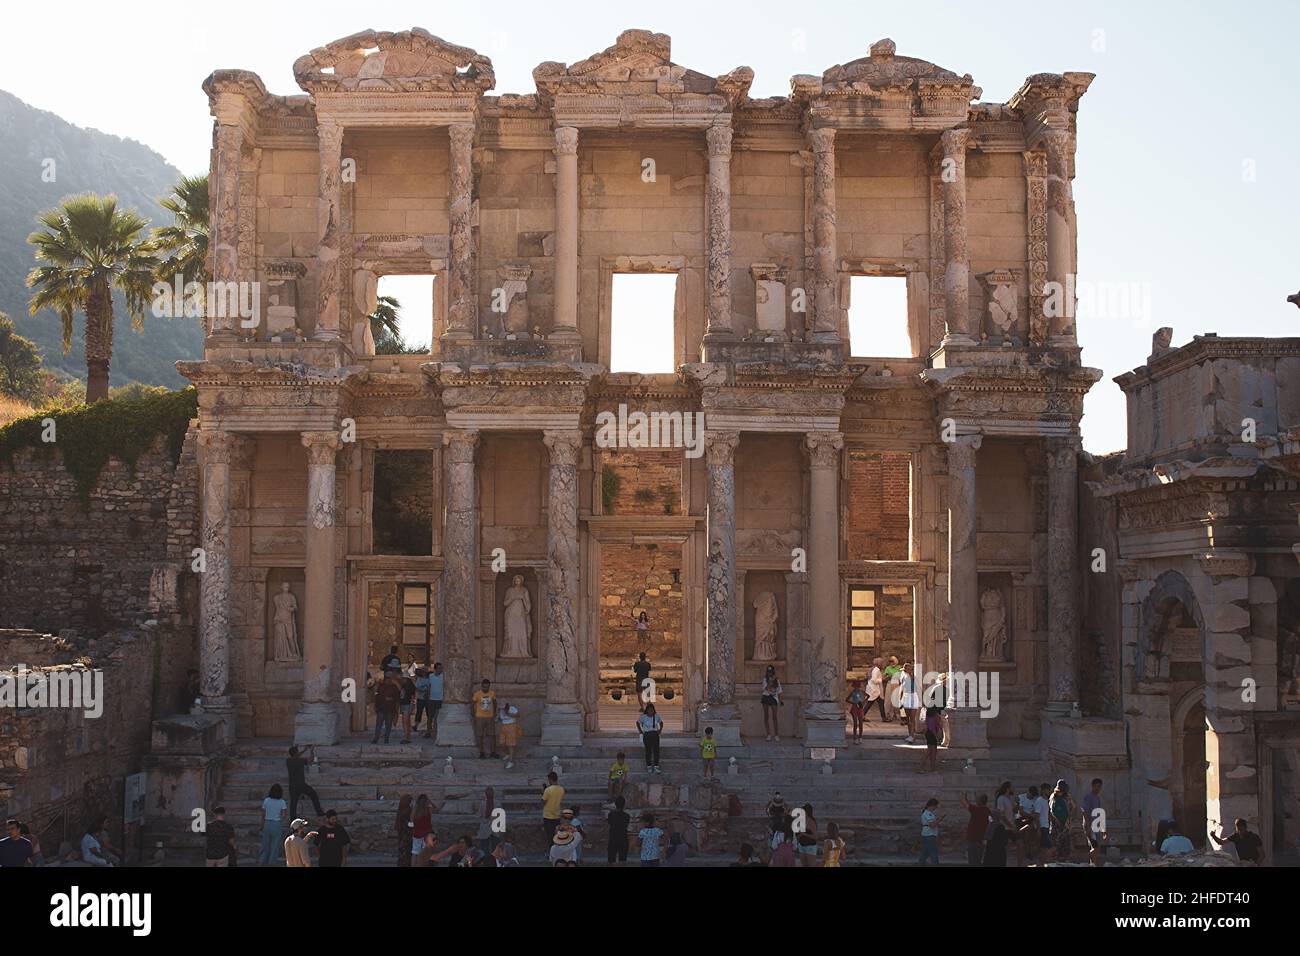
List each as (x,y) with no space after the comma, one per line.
(910,700)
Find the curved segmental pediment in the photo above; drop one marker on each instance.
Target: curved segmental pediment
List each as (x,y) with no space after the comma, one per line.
(375,61)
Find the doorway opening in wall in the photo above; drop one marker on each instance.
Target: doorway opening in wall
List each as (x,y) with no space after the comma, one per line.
(402,323)
(641,612)
(880,618)
(642,311)
(401,514)
(878,325)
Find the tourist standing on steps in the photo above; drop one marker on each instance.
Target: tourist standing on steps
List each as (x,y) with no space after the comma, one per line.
(1094,822)
(508,735)
(1004,816)
(485,839)
(420,837)
(552,804)
(876,690)
(296,765)
(833,847)
(435,696)
(650,839)
(332,842)
(388,694)
(275,813)
(296,852)
(405,705)
(618,772)
(642,632)
(618,822)
(806,841)
(910,698)
(650,726)
(708,751)
(402,828)
(220,839)
(485,719)
(977,827)
(390,661)
(893,677)
(641,673)
(771,703)
(856,700)
(930,832)
(1062,812)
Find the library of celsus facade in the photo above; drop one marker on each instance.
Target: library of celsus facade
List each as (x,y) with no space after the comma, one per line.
(841,506)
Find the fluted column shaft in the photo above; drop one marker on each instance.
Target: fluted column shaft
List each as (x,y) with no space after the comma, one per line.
(217,448)
(956,276)
(720,448)
(826,679)
(1063,571)
(718,226)
(225,227)
(461,319)
(318,616)
(1060,241)
(963,571)
(566,233)
(562,566)
(826,312)
(329,221)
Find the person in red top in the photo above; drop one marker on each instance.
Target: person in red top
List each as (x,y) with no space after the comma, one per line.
(388,693)
(980,814)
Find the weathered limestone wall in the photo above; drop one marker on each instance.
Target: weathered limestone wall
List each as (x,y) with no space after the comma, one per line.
(636,578)
(878,513)
(649,482)
(58,766)
(516,202)
(69,564)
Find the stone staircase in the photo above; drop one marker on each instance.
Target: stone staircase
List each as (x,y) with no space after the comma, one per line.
(873,792)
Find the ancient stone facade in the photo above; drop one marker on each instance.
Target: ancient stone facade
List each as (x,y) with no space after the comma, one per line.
(397,160)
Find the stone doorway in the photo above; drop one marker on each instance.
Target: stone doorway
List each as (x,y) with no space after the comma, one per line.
(643,577)
(1190,798)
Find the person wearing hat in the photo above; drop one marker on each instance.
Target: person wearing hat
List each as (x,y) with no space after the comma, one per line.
(332,842)
(296,852)
(564,845)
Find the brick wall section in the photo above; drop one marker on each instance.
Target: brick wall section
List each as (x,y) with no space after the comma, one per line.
(65,564)
(650,482)
(879,499)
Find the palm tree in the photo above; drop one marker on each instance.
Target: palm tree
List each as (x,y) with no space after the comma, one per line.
(87,249)
(385,320)
(184,244)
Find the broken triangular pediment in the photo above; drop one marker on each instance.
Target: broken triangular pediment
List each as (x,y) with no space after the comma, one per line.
(378,60)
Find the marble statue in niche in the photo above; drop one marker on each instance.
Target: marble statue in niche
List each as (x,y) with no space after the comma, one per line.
(517,614)
(284,626)
(766,613)
(993,625)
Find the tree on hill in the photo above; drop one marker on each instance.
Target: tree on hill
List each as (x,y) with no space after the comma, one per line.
(21,375)
(87,248)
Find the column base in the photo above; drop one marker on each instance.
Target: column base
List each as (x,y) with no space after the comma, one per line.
(561,725)
(957,338)
(725,721)
(564,335)
(222,709)
(823,725)
(326,335)
(455,726)
(968,733)
(317,722)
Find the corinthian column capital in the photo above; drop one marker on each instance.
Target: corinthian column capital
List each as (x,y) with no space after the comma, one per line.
(462,136)
(719,140)
(321,447)
(564,445)
(566,140)
(824,448)
(720,447)
(955,142)
(460,444)
(821,140)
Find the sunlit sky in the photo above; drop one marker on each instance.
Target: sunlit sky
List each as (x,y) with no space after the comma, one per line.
(1188,138)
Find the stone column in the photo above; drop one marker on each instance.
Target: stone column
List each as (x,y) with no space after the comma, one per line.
(956,276)
(218,448)
(1060,240)
(718,232)
(824,715)
(826,311)
(329,221)
(565,322)
(225,227)
(720,711)
(969,732)
(318,716)
(462,322)
(562,718)
(459,584)
(1063,573)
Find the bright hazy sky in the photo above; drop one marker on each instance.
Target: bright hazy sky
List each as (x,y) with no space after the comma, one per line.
(1188,146)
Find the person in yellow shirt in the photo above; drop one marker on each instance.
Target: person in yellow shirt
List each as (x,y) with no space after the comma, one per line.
(618,772)
(485,719)
(833,847)
(708,751)
(552,805)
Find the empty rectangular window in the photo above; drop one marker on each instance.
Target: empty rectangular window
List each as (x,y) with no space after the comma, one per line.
(878,317)
(402,322)
(402,510)
(642,311)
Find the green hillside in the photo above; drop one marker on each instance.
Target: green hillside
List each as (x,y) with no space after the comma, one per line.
(84,160)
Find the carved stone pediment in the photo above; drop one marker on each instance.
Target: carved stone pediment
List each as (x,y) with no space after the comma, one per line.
(410,61)
(884,72)
(638,64)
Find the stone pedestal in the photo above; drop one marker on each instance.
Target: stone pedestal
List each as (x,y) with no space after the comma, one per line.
(455,726)
(317,722)
(561,725)
(969,733)
(725,721)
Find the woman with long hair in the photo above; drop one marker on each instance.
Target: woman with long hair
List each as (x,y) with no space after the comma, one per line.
(642,632)
(650,725)
(422,842)
(275,812)
(1061,814)
(1002,826)
(403,828)
(771,701)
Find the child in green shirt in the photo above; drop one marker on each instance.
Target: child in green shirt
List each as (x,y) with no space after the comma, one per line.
(617,776)
(708,751)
